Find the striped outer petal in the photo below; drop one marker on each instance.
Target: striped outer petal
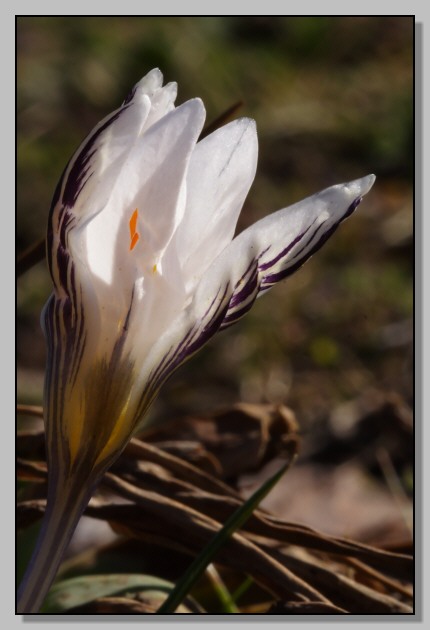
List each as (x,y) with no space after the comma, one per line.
(266,253)
(89,178)
(283,241)
(93,399)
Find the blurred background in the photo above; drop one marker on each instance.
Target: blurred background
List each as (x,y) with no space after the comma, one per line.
(333,101)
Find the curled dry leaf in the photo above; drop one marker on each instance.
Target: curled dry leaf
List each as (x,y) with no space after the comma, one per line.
(233,441)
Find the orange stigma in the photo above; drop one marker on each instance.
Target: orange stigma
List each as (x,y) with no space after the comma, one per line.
(134,235)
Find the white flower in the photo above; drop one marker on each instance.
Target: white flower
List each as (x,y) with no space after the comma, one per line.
(145,270)
(143,262)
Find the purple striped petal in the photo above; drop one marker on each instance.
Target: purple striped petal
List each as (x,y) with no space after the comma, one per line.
(264,254)
(273,264)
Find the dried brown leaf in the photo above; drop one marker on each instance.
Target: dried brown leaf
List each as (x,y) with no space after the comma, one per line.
(341,590)
(176,504)
(160,516)
(260,524)
(242,438)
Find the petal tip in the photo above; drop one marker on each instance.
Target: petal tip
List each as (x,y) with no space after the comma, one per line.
(194,106)
(151,82)
(361,186)
(155,75)
(367,183)
(244,120)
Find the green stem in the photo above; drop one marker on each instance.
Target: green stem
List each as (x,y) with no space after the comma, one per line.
(63,511)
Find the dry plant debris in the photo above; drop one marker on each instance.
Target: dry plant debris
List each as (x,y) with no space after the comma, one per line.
(172,497)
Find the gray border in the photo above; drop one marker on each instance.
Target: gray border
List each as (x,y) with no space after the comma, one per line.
(7,585)
(218,618)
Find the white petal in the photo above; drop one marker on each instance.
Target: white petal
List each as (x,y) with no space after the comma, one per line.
(162,98)
(150,184)
(263,254)
(88,179)
(220,174)
(149,84)
(162,102)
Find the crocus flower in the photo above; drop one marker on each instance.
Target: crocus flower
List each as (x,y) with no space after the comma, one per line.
(145,271)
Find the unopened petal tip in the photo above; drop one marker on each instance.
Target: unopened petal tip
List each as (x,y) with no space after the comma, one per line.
(364,184)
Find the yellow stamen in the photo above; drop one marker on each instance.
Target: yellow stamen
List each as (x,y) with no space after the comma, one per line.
(134,235)
(154,268)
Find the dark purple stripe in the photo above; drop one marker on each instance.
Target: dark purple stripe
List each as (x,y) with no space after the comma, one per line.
(116,356)
(79,353)
(214,323)
(63,228)
(67,343)
(154,373)
(53,392)
(181,350)
(250,290)
(264,252)
(127,317)
(62,265)
(130,96)
(186,348)
(248,287)
(72,289)
(49,247)
(285,251)
(208,331)
(51,229)
(57,192)
(49,332)
(76,179)
(167,359)
(299,253)
(67,220)
(233,317)
(65,349)
(81,337)
(170,358)
(271,279)
(351,208)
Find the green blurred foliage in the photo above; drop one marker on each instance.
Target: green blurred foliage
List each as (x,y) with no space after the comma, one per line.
(333,100)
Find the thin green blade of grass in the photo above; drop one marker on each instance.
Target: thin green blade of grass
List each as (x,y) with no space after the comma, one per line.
(242,588)
(222,592)
(235,522)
